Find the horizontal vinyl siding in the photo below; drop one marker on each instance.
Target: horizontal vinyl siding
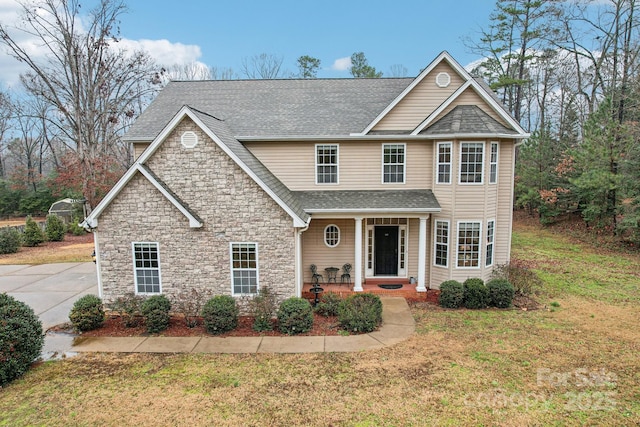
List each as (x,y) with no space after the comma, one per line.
(421,101)
(138,148)
(359,164)
(470,97)
(314,250)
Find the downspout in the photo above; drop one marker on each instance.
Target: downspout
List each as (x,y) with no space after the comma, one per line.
(298,262)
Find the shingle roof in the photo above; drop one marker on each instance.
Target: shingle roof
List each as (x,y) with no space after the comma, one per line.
(468,119)
(418,201)
(323,107)
(221,130)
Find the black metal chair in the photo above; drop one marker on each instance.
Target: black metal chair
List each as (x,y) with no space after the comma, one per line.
(315,276)
(346,275)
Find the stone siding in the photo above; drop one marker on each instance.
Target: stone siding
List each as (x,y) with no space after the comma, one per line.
(232,206)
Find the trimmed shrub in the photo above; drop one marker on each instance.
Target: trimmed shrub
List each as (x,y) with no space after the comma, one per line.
(189,302)
(21,338)
(128,307)
(54,228)
(155,310)
(524,280)
(263,308)
(295,316)
(87,313)
(328,305)
(220,314)
(74,227)
(10,240)
(33,235)
(500,293)
(476,294)
(451,294)
(360,313)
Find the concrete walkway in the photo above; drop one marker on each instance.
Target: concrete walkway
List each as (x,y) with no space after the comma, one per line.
(397,325)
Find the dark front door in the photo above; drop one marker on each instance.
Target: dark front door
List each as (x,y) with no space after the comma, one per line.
(386,251)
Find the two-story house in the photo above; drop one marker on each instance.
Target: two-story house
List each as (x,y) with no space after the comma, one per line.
(246,183)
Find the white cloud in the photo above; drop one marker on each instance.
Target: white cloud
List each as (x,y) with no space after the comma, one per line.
(342,64)
(163,51)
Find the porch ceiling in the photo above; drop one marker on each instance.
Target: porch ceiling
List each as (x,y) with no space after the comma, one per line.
(382,202)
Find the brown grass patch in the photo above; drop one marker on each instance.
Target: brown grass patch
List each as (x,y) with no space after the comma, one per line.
(71,249)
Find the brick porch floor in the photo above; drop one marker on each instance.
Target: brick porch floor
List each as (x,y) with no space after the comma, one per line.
(407,291)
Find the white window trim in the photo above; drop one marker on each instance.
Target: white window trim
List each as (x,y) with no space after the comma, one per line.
(324,235)
(497,145)
(337,164)
(480,251)
(492,243)
(435,242)
(232,269)
(404,164)
(450,144)
(481,164)
(135,268)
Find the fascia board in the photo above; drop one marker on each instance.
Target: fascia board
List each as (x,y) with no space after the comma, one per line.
(426,122)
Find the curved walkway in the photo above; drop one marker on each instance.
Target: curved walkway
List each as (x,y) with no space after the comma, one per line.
(397,326)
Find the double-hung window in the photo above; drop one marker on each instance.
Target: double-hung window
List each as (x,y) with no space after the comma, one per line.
(444,163)
(468,244)
(442,243)
(146,267)
(393,163)
(493,163)
(491,230)
(471,162)
(326,164)
(244,268)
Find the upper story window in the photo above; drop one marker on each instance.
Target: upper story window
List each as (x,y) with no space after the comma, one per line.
(469,244)
(244,268)
(493,163)
(444,163)
(441,251)
(393,163)
(471,162)
(491,229)
(332,235)
(326,164)
(146,267)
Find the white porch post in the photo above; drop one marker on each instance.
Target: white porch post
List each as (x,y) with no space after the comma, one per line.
(422,255)
(357,282)
(298,263)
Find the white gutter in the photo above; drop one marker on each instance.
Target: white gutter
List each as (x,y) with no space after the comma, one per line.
(380,137)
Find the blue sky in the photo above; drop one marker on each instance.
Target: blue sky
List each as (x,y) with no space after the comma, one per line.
(221,33)
(406,32)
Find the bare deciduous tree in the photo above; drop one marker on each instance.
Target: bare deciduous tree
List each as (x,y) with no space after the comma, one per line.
(263,66)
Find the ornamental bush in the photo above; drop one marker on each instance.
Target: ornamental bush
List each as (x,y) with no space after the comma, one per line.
(360,313)
(476,294)
(128,307)
(33,235)
(10,240)
(263,308)
(21,338)
(54,228)
(87,313)
(74,227)
(500,293)
(328,305)
(155,310)
(295,316)
(451,294)
(220,314)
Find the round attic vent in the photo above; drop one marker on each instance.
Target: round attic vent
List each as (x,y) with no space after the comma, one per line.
(189,139)
(443,79)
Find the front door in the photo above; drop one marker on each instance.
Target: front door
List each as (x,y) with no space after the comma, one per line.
(386,250)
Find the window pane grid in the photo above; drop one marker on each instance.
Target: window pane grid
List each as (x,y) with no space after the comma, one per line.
(493,169)
(442,243)
(444,163)
(471,162)
(244,268)
(332,236)
(147,267)
(327,164)
(490,241)
(393,159)
(468,244)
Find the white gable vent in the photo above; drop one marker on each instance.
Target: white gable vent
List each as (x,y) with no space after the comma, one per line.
(189,139)
(443,79)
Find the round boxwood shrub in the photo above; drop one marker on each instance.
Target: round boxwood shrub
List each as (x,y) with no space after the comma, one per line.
(155,310)
(54,228)
(476,294)
(360,313)
(451,294)
(328,305)
(220,314)
(10,240)
(87,313)
(21,338)
(501,293)
(295,316)
(33,235)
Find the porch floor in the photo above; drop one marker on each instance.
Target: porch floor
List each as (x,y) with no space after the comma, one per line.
(407,291)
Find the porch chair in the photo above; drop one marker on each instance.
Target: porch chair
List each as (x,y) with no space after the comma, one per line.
(346,275)
(315,276)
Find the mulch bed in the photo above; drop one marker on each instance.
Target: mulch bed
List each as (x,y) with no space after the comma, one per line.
(114,327)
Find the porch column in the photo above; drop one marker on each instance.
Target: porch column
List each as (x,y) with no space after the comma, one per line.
(422,255)
(357,281)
